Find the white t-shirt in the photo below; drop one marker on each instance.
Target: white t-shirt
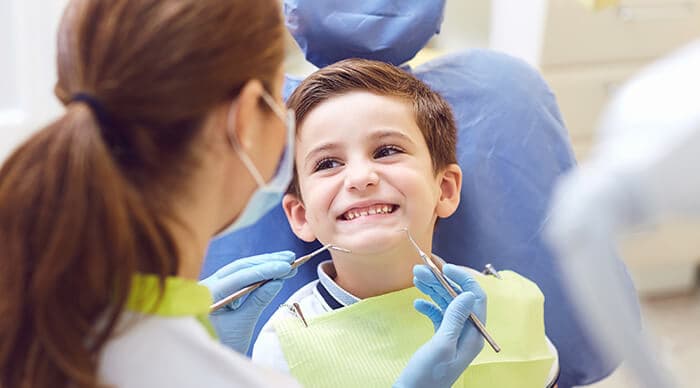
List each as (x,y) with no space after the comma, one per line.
(315,300)
(155,351)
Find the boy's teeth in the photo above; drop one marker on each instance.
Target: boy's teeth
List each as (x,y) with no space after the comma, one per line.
(378,209)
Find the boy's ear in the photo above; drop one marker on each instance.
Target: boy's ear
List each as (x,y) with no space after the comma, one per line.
(450,189)
(296,215)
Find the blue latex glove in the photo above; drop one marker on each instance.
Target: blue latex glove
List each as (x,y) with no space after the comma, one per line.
(234,323)
(440,361)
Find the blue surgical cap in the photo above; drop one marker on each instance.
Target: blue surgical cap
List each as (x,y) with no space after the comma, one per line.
(391,31)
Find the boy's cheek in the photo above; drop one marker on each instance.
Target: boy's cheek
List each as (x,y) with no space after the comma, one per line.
(318,201)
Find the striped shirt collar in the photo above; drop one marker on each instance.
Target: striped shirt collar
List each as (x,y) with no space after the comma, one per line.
(334,296)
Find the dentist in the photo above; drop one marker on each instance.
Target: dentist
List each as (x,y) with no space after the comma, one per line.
(174,131)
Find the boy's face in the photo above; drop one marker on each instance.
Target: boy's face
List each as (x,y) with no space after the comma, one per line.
(365,172)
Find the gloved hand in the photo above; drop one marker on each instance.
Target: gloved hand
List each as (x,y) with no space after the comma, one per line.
(235,322)
(441,360)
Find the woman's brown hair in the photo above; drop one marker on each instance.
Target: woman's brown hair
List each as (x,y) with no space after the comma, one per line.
(433,114)
(85,201)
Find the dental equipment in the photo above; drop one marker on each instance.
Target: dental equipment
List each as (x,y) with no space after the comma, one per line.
(443,280)
(297,311)
(248,289)
(489,269)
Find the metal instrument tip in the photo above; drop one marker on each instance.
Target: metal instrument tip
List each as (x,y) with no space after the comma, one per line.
(339,249)
(413,242)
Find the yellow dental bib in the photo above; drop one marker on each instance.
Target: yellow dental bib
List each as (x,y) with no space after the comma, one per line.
(367,344)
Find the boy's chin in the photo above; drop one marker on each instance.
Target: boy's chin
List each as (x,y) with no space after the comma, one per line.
(370,242)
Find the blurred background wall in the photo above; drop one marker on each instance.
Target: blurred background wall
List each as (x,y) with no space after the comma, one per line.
(27,67)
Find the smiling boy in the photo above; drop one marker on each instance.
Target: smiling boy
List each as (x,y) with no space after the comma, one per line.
(376,152)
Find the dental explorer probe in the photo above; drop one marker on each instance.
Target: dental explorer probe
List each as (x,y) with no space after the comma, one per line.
(445,284)
(248,289)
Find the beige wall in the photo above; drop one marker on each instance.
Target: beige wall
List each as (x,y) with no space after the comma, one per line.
(27,69)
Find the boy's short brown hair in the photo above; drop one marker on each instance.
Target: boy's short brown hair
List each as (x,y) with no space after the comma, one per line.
(432,113)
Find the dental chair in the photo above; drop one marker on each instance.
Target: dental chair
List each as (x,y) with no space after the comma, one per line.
(512,146)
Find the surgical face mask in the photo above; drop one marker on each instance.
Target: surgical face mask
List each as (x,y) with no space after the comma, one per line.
(269,194)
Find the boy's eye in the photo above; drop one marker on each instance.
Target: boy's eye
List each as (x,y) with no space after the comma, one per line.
(387,150)
(325,164)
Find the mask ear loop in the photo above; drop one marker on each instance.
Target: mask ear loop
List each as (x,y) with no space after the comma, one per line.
(230,130)
(273,105)
(288,118)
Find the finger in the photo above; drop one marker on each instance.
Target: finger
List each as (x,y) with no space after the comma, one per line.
(430,310)
(469,284)
(264,295)
(229,284)
(434,291)
(471,341)
(460,276)
(239,264)
(236,304)
(267,271)
(455,317)
(289,275)
(258,299)
(425,276)
(423,272)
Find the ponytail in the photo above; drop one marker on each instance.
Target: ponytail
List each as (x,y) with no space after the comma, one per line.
(84,203)
(73,232)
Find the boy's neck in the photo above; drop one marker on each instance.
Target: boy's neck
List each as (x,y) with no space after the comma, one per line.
(368,276)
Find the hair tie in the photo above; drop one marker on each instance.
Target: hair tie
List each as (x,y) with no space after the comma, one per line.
(95,106)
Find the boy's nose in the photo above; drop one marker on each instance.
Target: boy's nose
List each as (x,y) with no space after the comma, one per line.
(361,177)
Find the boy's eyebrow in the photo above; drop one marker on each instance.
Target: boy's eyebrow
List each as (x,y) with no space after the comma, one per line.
(317,150)
(380,134)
